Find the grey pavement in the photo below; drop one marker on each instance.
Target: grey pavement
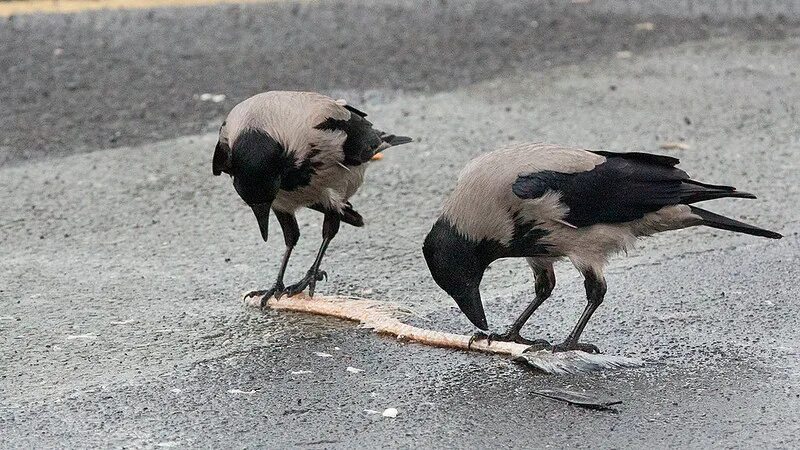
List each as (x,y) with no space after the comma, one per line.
(121,322)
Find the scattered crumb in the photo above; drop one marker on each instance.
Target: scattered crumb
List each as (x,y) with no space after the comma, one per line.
(216,98)
(323,354)
(390,412)
(81,336)
(121,322)
(377,156)
(176,391)
(301,372)
(674,146)
(371,411)
(354,370)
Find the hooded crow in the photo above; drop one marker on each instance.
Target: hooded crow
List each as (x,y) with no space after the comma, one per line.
(289,150)
(545,202)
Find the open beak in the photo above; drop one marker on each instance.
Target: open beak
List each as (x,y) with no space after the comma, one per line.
(261,212)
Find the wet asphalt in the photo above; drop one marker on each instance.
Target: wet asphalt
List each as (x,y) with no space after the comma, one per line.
(122,267)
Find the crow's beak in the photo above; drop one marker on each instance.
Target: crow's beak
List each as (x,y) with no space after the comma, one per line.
(261,212)
(471,305)
(222,159)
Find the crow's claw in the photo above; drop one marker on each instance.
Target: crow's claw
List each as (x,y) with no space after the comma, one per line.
(479,335)
(309,281)
(266,294)
(537,345)
(252,294)
(567,346)
(508,336)
(511,336)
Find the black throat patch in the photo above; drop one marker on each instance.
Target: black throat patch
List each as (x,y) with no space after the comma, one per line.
(257,155)
(449,247)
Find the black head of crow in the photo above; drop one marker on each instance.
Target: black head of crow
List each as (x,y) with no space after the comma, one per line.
(546,202)
(290,150)
(258,168)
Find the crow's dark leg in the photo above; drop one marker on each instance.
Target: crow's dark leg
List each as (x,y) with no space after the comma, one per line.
(291,234)
(330,226)
(595,291)
(545,282)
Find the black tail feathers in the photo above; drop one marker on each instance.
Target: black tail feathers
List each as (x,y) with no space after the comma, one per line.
(351,216)
(724,223)
(347,215)
(694,191)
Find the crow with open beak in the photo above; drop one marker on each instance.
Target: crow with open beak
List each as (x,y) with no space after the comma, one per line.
(289,150)
(545,202)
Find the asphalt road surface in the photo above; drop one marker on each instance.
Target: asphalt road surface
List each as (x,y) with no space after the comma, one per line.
(121,268)
(96,80)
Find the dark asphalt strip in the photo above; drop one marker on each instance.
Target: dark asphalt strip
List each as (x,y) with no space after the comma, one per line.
(95,80)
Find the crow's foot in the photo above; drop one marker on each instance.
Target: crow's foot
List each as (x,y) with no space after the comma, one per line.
(538,345)
(309,281)
(567,346)
(265,295)
(508,336)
